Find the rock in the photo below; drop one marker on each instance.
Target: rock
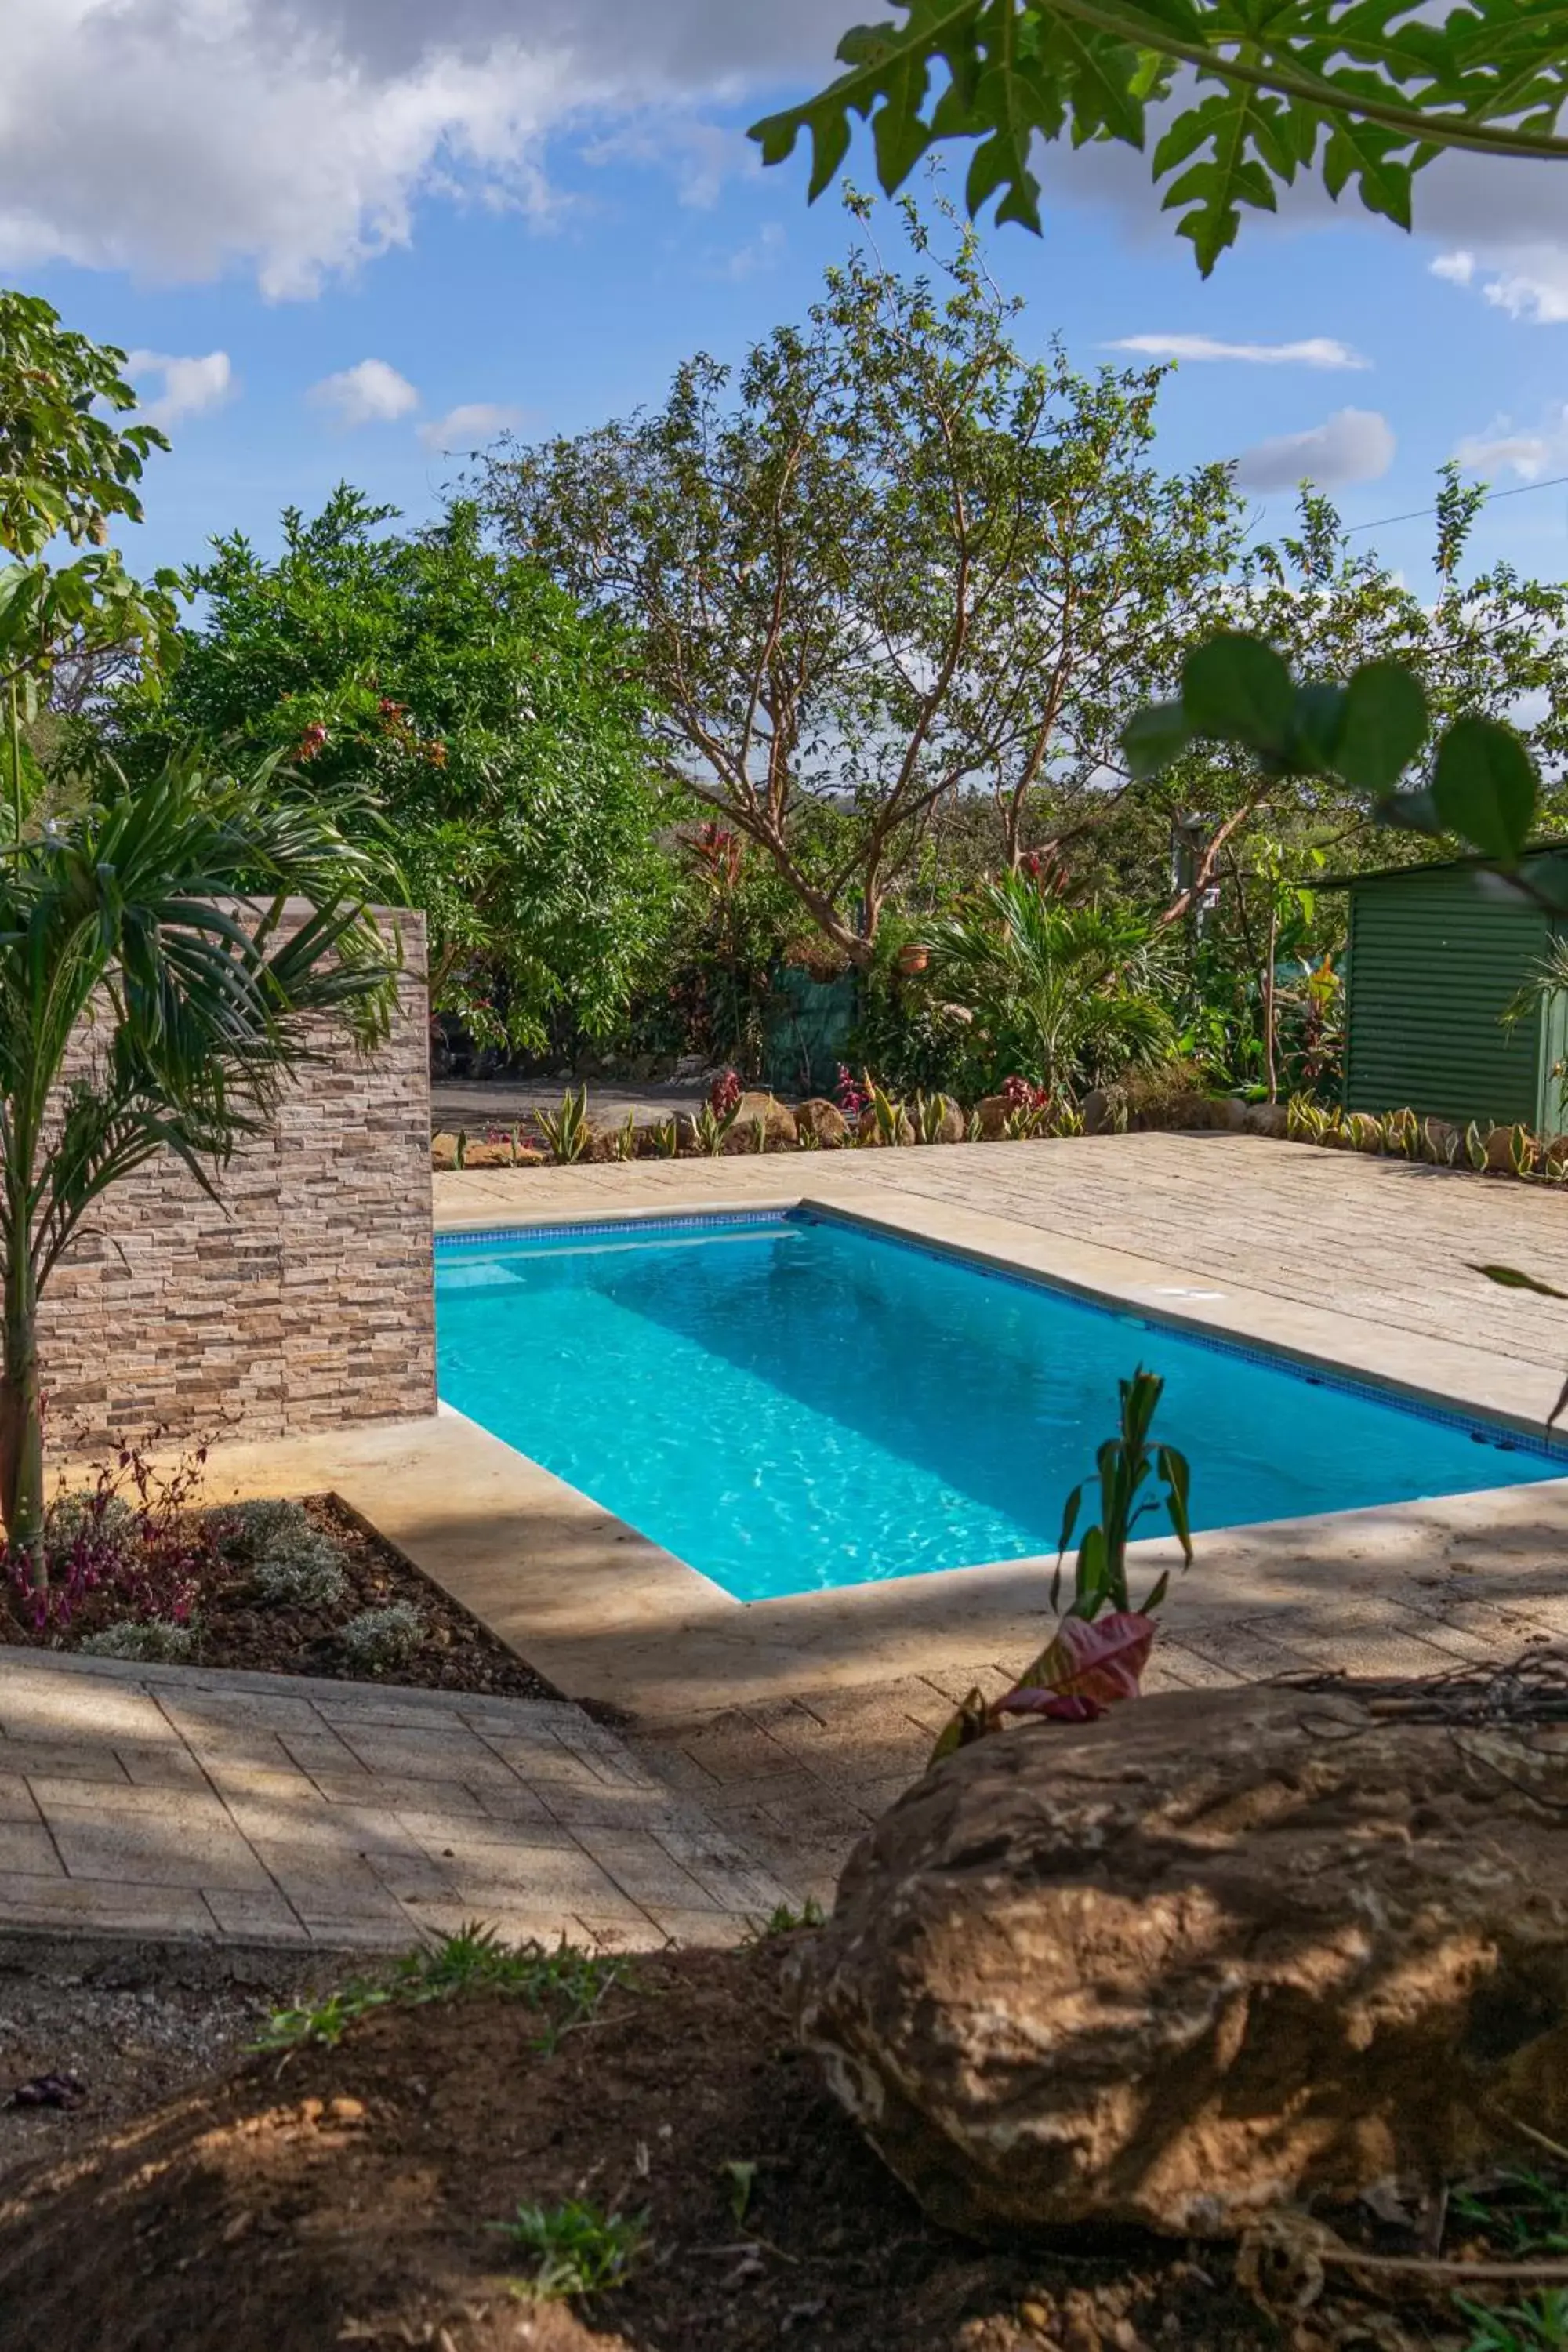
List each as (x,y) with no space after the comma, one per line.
(1362,1132)
(779,1123)
(1269,1119)
(992,1112)
(1099,1108)
(1229,1114)
(1212,1953)
(1185,1110)
(495,1155)
(1444,1142)
(1499,1149)
(824,1121)
(443,1152)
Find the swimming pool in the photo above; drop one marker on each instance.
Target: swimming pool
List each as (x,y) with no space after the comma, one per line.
(791,1402)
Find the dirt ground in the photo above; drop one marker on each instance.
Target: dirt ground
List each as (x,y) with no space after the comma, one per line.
(234,1631)
(347,2195)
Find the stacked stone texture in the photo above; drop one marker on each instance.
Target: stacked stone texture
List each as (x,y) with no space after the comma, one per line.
(300,1298)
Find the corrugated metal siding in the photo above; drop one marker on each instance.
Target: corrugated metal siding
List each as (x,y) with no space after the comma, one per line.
(1433,963)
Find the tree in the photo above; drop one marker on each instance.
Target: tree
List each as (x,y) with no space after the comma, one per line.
(885,563)
(1064,993)
(65,469)
(1493,644)
(1357,91)
(157,914)
(494,724)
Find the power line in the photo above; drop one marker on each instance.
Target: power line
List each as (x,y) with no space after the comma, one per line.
(1419,514)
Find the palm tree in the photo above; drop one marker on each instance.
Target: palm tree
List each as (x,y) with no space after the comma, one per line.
(1064,993)
(154,995)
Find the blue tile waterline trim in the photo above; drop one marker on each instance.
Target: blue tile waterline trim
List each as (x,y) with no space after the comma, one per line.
(606,1228)
(1497,1430)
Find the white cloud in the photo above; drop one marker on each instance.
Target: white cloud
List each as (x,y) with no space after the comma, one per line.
(1529,453)
(1354,445)
(189,385)
(759,253)
(1315,351)
(370,394)
(1505,225)
(468,426)
(179,138)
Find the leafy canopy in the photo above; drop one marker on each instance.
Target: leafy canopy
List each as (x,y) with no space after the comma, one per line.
(884,563)
(1362,92)
(463,695)
(66,471)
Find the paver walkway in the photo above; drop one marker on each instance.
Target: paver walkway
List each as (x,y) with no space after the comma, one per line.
(255,1809)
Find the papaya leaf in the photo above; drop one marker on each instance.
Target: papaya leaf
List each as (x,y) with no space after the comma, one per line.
(1152,738)
(1384,727)
(1484,787)
(1236,689)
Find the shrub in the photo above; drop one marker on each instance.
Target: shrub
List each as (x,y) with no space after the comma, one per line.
(132,1538)
(290,1563)
(93,1518)
(157,1640)
(379,1638)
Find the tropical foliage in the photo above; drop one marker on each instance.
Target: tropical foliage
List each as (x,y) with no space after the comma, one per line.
(154,996)
(1065,994)
(1246,98)
(452,706)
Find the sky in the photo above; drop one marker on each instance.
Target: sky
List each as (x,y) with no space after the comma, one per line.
(359,238)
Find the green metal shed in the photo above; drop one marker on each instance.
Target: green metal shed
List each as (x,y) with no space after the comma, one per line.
(1433,963)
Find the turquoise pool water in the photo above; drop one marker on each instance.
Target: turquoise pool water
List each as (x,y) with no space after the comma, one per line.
(790,1403)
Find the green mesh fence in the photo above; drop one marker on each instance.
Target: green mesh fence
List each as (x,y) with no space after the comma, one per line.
(805,1030)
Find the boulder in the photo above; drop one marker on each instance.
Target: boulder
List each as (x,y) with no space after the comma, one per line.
(1443,1141)
(824,1121)
(1183,1110)
(1216,1951)
(1228,1113)
(1100,1112)
(779,1125)
(1269,1119)
(443,1152)
(1362,1132)
(992,1112)
(500,1155)
(1499,1149)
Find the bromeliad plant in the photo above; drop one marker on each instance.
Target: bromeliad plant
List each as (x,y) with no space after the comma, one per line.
(153,998)
(1093,1660)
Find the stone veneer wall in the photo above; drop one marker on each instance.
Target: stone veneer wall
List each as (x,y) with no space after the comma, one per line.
(311,1302)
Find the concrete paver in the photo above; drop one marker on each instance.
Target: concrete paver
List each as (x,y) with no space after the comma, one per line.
(217,1817)
(789,1725)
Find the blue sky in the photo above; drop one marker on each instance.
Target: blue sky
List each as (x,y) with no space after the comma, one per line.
(533,209)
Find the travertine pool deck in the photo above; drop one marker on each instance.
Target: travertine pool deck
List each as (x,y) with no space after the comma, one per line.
(796,1721)
(265,1811)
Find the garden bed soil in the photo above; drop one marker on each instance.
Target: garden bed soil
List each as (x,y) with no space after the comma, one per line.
(342,2196)
(457,1654)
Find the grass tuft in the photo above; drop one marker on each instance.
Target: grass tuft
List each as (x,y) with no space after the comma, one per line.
(564,1985)
(577,2249)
